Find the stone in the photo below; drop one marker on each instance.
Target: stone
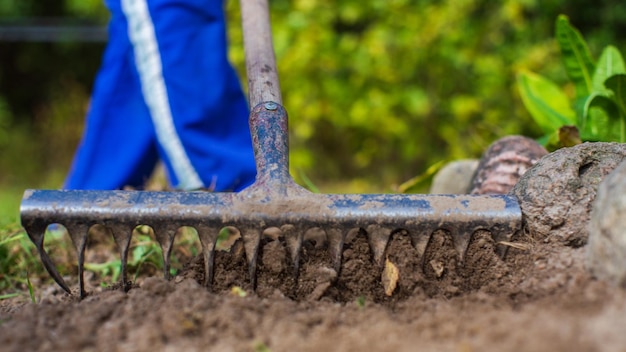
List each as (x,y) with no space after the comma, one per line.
(556,194)
(503,163)
(605,255)
(454,177)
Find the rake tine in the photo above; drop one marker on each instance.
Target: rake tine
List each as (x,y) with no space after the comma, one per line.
(208,239)
(336,239)
(420,238)
(122,235)
(79,234)
(498,237)
(165,235)
(378,238)
(251,243)
(461,238)
(36,234)
(294,237)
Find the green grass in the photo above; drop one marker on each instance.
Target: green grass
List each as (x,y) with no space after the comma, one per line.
(21,271)
(18,261)
(10,205)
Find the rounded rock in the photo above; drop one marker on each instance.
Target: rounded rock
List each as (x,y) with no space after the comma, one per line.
(503,163)
(605,255)
(556,194)
(454,177)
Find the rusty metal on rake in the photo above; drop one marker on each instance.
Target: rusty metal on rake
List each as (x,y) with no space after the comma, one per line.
(273,201)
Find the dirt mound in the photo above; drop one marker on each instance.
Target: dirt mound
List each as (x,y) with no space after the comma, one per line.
(441,272)
(538,298)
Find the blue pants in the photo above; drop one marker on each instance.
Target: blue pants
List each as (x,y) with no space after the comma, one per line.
(165,90)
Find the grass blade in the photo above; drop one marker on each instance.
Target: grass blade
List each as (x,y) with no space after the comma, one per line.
(8,295)
(31,289)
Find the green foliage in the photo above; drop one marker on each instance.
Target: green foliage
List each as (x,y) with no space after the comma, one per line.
(91,9)
(377,91)
(576,57)
(380,90)
(145,256)
(21,270)
(420,183)
(8,295)
(31,290)
(17,258)
(261,347)
(598,109)
(360,302)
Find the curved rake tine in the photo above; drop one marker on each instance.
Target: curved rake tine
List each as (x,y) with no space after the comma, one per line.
(79,235)
(36,235)
(294,237)
(165,235)
(420,238)
(208,239)
(336,239)
(122,235)
(378,238)
(251,243)
(461,237)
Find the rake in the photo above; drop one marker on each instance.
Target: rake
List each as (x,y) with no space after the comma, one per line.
(274,200)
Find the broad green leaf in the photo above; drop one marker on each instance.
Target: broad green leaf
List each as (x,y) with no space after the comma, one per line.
(617,83)
(601,116)
(609,64)
(546,103)
(576,56)
(597,99)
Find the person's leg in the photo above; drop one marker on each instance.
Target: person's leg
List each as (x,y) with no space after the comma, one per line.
(118,147)
(193,94)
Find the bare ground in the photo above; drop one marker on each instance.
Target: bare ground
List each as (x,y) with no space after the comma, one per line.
(538,298)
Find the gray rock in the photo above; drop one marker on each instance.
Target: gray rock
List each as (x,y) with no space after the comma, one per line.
(605,254)
(556,194)
(454,177)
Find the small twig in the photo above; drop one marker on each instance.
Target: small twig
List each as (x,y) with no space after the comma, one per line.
(516,245)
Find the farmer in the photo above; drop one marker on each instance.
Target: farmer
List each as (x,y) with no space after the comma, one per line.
(165,90)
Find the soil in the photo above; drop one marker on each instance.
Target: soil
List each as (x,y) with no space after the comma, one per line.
(539,297)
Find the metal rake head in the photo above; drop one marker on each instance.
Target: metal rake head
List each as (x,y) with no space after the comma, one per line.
(273,201)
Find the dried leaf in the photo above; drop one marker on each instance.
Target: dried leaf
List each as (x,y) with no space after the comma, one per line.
(238,291)
(390,277)
(438,267)
(569,136)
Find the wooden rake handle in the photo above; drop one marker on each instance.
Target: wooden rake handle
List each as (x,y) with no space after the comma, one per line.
(263,83)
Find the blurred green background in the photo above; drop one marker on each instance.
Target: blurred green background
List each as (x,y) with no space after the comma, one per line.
(377,90)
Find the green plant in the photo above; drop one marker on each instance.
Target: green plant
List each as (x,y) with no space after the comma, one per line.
(8,295)
(143,251)
(261,347)
(420,183)
(31,290)
(598,110)
(360,302)
(16,256)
